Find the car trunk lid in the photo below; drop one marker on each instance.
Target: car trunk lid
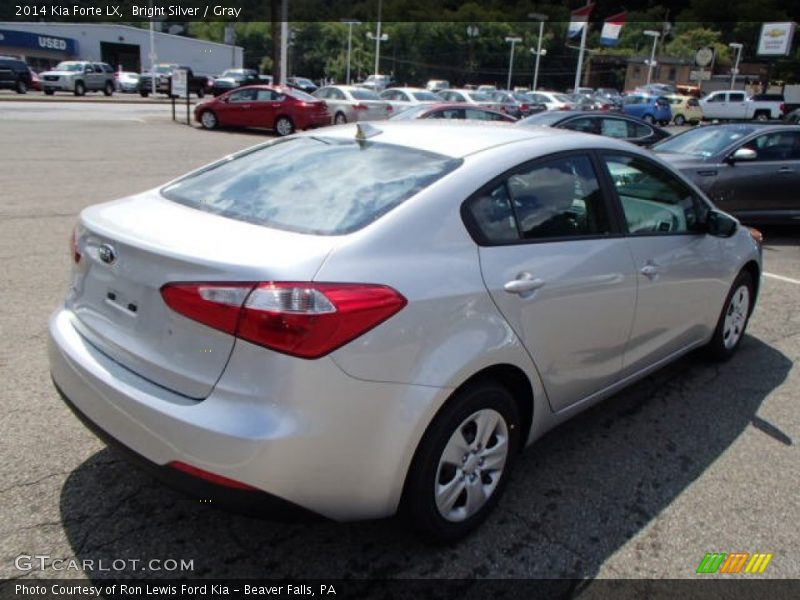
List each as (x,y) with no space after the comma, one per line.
(132,247)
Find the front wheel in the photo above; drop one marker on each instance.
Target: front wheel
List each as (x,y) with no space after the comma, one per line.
(209,120)
(201,93)
(680,120)
(284,126)
(144,93)
(49,92)
(108,89)
(80,89)
(22,87)
(734,318)
(462,463)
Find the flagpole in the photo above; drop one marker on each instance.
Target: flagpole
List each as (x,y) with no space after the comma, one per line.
(580,55)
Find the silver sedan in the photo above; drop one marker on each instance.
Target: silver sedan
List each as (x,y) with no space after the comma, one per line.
(348,104)
(377,318)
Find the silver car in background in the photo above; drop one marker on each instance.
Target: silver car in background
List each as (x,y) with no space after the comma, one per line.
(348,104)
(406,97)
(377,318)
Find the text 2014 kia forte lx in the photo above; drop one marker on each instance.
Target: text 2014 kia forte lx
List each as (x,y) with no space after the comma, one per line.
(374,319)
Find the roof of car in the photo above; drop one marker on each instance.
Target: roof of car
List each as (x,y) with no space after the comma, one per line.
(458,138)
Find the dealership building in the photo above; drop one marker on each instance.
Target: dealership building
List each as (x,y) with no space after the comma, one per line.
(42,45)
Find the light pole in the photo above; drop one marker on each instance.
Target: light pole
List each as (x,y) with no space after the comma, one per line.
(472,33)
(350,23)
(539,52)
(655,35)
(152,54)
(378,39)
(735,71)
(513,41)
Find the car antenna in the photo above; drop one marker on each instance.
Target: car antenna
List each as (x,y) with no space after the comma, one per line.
(365,131)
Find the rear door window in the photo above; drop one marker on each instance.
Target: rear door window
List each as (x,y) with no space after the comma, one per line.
(312,185)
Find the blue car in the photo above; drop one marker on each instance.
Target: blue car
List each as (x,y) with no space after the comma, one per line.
(653,109)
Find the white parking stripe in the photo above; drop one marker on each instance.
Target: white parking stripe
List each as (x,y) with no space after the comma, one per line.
(782,278)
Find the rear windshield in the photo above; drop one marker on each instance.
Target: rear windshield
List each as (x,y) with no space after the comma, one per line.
(425,96)
(361,94)
(301,95)
(312,185)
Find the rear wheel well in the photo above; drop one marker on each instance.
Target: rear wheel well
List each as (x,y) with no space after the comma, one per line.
(517,383)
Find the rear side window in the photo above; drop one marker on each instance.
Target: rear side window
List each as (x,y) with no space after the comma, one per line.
(556,199)
(312,185)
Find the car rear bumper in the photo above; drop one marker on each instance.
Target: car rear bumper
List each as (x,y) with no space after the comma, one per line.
(300,430)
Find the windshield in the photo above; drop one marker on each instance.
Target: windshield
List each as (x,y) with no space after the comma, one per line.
(69,66)
(479,96)
(312,185)
(360,94)
(705,141)
(425,96)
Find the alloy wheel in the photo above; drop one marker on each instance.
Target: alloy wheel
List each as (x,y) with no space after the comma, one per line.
(736,316)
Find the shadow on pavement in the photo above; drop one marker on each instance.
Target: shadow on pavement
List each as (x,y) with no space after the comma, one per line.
(576,496)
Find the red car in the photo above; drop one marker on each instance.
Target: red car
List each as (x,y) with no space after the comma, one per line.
(282,109)
(454,110)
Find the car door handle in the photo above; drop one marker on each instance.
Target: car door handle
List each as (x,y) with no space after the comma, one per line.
(524,284)
(650,271)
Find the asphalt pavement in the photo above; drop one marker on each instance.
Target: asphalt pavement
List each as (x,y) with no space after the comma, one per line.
(697,458)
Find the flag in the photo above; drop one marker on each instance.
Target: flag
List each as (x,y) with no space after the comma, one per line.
(578,20)
(611,28)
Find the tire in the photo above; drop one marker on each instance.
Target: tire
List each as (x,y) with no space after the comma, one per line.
(49,92)
(426,504)
(734,318)
(21,87)
(650,119)
(679,120)
(284,126)
(201,93)
(108,90)
(761,116)
(209,119)
(339,119)
(80,88)
(144,94)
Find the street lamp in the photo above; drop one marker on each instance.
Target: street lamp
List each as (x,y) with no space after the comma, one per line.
(539,52)
(513,41)
(349,23)
(655,35)
(735,71)
(472,33)
(378,39)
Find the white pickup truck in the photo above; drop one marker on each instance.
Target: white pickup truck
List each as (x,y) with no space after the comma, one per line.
(737,105)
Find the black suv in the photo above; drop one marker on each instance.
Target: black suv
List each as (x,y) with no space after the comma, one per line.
(14,74)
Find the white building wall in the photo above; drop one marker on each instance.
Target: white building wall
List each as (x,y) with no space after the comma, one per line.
(200,55)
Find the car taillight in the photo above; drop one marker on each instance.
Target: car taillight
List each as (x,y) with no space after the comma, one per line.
(524,107)
(73,245)
(307,320)
(360,106)
(389,108)
(209,476)
(782,108)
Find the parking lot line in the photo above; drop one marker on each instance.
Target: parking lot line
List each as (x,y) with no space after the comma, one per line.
(782,278)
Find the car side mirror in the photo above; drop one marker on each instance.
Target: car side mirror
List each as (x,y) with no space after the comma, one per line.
(742,154)
(720,224)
